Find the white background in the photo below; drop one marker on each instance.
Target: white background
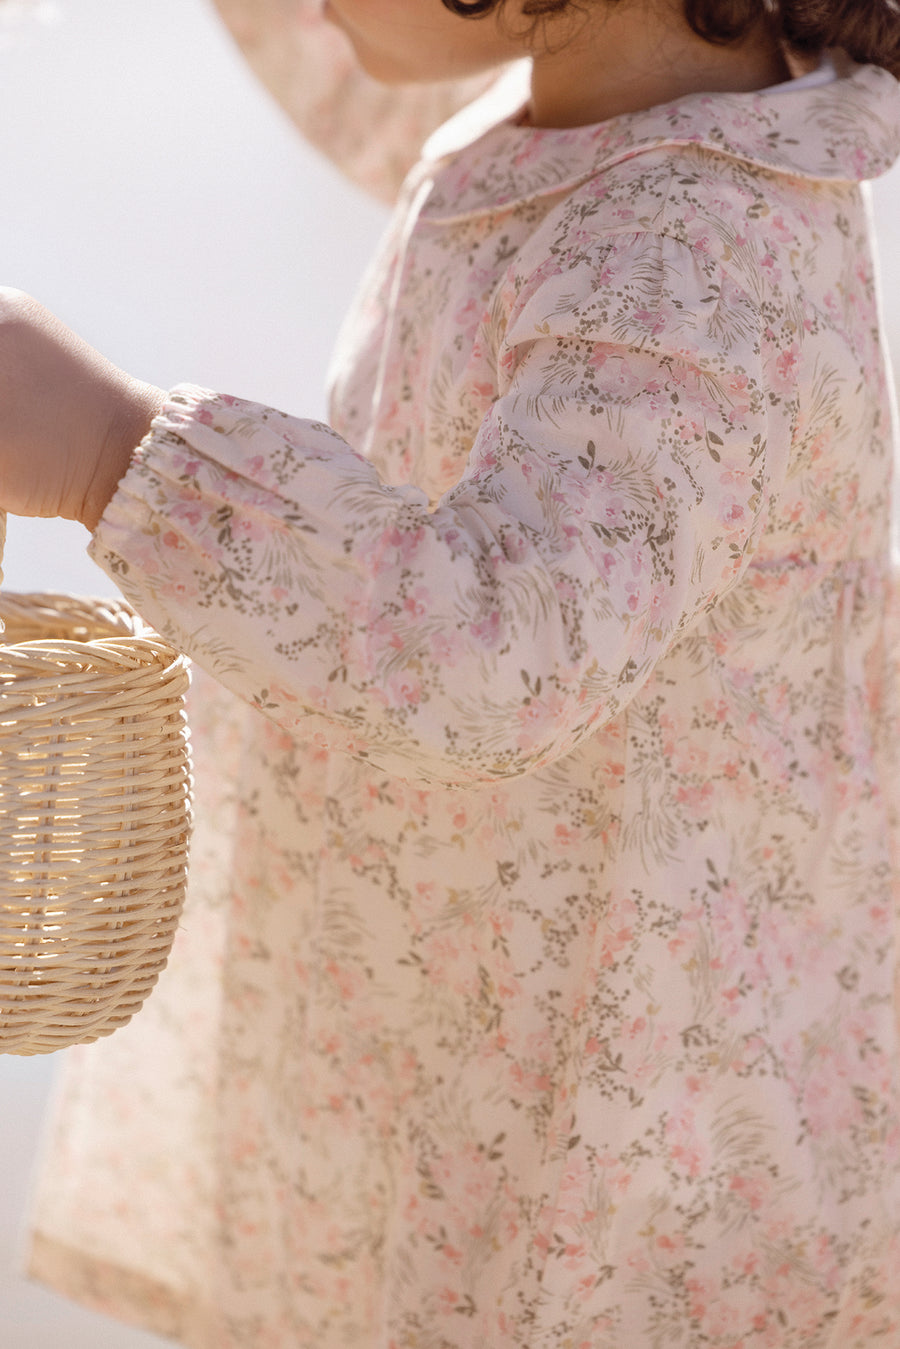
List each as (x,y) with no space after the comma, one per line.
(153,197)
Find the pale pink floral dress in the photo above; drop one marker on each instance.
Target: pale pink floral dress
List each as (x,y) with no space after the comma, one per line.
(536,990)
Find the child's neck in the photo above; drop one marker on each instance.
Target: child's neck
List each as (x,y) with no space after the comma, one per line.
(634,56)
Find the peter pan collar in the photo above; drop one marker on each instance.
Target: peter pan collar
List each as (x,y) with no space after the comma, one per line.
(845,130)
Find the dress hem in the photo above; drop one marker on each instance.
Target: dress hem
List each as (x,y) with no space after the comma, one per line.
(107,1288)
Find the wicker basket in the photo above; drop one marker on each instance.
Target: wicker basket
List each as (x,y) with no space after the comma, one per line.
(94,817)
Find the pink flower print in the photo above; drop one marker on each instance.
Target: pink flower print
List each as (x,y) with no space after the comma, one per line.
(655,320)
(247,526)
(428,903)
(689,758)
(753,1189)
(688,429)
(499,804)
(468,318)
(446,647)
(784,375)
(670,1248)
(776,225)
(613,771)
(639,1262)
(614,941)
(656,399)
(255,467)
(552,267)
(468,1172)
(178,589)
(528,1083)
(317,698)
(509,360)
(731,998)
(616,929)
(564,588)
(441,954)
(537,717)
(619,377)
(187,468)
(345,980)
(566,836)
(732,511)
(606,562)
(685,1145)
(634,594)
(404,689)
(516,546)
(452,1254)
(487,631)
(794,512)
(686,377)
(618,1178)
(697,800)
(397,547)
(612,506)
(829,1099)
(449,1299)
(737,391)
(859,159)
(576,1180)
(787,362)
(282,695)
(725,1318)
(190,510)
(677,945)
(418,602)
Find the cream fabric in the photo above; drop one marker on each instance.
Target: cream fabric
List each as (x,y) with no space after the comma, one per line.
(537,983)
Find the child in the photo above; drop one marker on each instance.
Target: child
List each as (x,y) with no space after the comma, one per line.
(536,988)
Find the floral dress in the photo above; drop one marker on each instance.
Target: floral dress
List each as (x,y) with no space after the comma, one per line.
(536,985)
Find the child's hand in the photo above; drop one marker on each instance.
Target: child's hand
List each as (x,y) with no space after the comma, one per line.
(69,418)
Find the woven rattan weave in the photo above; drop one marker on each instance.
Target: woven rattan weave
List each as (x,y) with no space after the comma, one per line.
(94,817)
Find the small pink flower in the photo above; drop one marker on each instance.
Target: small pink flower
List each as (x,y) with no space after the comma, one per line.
(538,718)
(418,603)
(404,689)
(487,630)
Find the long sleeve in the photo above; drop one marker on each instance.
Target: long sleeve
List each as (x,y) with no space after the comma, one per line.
(613,493)
(371,132)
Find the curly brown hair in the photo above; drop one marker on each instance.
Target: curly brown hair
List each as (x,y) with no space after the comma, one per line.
(867,30)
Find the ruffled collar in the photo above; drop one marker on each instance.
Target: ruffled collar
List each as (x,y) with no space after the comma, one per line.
(845,130)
